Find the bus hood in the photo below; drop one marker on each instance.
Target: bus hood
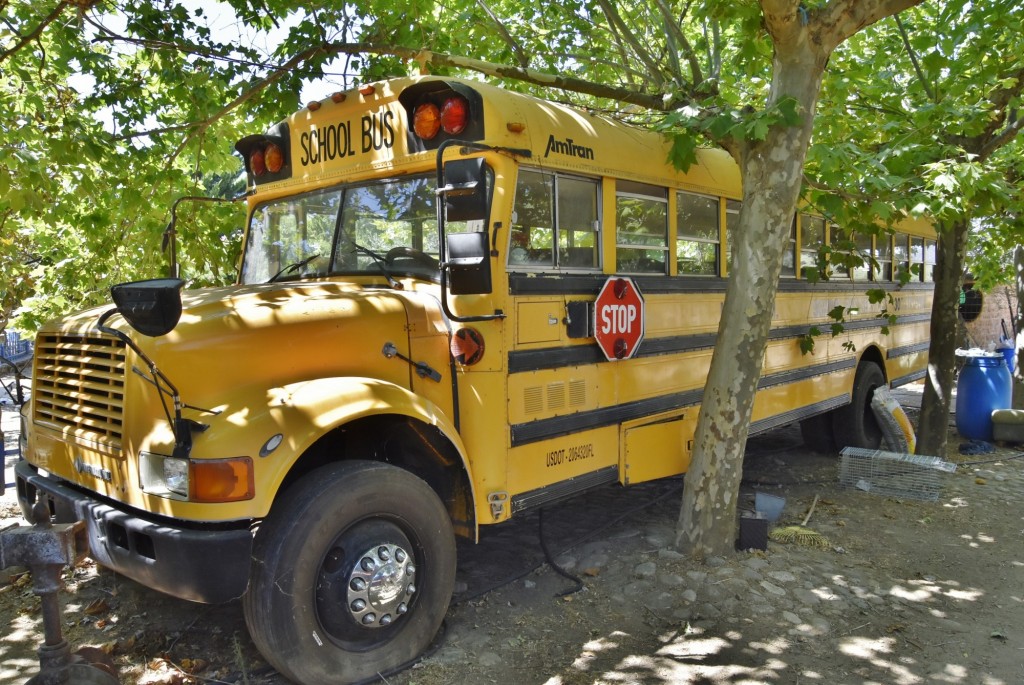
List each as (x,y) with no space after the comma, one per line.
(272,334)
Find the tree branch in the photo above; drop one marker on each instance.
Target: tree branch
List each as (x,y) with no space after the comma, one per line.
(913,59)
(38,30)
(517,50)
(840,19)
(620,27)
(654,102)
(1003,138)
(696,75)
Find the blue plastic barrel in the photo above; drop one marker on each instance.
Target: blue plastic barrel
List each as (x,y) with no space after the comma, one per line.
(983,387)
(1010,354)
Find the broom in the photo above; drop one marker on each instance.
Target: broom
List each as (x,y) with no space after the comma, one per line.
(801,535)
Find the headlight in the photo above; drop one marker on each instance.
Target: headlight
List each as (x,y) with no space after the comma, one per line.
(201,480)
(163,476)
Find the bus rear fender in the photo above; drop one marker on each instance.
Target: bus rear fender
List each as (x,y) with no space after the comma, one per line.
(334,419)
(874,355)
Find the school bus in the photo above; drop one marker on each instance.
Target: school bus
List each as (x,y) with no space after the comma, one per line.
(455,304)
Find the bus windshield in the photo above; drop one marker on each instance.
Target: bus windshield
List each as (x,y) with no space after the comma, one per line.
(386,227)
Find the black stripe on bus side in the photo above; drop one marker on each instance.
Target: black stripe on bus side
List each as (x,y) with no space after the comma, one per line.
(773,422)
(795,375)
(909,378)
(908,349)
(590,284)
(545,429)
(581,355)
(550,494)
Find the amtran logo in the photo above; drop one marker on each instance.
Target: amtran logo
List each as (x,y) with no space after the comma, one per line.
(569,148)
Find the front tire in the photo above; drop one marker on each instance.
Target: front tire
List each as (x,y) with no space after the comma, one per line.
(855,425)
(352,574)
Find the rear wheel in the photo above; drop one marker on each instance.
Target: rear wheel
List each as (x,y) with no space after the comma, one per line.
(352,574)
(855,425)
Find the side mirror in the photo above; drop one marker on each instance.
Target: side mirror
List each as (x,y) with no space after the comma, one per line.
(469,263)
(151,307)
(465,190)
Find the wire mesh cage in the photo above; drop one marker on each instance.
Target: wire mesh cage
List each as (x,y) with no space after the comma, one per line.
(892,474)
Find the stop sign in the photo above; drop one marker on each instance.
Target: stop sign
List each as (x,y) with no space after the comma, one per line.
(619,318)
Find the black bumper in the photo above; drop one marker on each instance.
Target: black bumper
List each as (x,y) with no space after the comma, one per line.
(199,564)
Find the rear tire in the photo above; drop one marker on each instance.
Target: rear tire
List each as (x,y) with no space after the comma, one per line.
(855,425)
(352,574)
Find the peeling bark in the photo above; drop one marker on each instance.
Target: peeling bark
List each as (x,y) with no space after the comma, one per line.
(1018,372)
(772,173)
(938,384)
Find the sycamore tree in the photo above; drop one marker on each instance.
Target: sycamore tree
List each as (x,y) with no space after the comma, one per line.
(921,117)
(90,167)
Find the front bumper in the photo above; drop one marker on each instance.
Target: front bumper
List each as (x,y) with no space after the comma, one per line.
(203,564)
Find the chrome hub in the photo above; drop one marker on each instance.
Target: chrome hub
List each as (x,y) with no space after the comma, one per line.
(381,585)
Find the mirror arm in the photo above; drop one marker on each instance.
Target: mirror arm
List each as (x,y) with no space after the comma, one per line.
(170,238)
(181,427)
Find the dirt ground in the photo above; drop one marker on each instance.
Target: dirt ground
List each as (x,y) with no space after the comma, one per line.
(900,590)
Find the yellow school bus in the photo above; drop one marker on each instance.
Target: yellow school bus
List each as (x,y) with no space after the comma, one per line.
(455,304)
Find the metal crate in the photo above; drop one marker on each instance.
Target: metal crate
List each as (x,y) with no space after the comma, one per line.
(892,474)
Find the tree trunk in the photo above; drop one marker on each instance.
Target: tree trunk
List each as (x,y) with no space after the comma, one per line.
(938,383)
(772,172)
(1018,372)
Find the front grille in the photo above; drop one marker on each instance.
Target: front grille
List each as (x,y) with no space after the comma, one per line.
(79,384)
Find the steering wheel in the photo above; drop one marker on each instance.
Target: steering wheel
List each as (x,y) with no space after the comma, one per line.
(415,255)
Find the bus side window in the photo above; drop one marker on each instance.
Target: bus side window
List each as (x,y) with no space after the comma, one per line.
(531,239)
(577,222)
(841,242)
(917,257)
(789,256)
(641,228)
(930,256)
(732,220)
(812,238)
(698,234)
(900,255)
(862,240)
(555,222)
(883,255)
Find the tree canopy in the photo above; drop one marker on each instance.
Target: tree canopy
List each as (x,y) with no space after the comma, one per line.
(115,109)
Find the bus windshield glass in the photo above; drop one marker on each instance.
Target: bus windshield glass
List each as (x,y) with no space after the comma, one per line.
(387,227)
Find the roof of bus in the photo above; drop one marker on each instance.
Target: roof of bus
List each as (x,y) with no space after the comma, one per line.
(558,136)
(368,129)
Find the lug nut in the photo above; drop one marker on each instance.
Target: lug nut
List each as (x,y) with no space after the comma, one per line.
(410,569)
(400,555)
(368,619)
(385,620)
(402,608)
(368,564)
(358,605)
(358,584)
(383,554)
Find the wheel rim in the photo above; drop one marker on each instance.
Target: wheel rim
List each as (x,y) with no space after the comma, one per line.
(381,585)
(366,584)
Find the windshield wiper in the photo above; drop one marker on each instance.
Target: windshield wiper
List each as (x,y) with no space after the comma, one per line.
(291,268)
(381,264)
